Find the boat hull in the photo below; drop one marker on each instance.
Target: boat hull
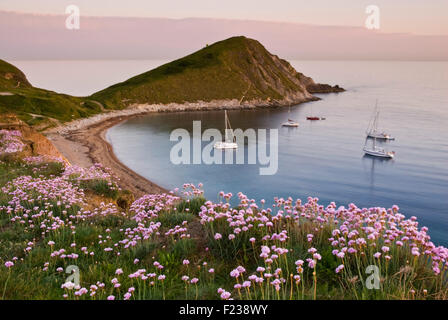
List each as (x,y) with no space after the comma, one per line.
(290,124)
(380,136)
(386,155)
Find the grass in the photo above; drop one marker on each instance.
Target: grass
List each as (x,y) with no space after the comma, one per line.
(228,69)
(47,105)
(101,187)
(39,107)
(11,168)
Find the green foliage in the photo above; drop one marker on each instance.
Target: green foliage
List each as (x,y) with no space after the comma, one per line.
(101,187)
(13,168)
(38,106)
(11,77)
(170,220)
(192,206)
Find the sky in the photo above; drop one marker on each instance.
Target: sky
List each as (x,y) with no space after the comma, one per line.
(419,17)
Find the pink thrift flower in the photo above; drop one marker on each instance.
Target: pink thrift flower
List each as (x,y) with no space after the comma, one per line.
(194,280)
(119,271)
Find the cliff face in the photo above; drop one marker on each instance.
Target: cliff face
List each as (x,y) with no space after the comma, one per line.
(313,87)
(236,68)
(35,143)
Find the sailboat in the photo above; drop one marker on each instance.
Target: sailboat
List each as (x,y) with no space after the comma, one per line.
(229,139)
(376,151)
(372,131)
(290,122)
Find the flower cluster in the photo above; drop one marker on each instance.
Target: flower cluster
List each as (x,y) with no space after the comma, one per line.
(161,244)
(359,237)
(151,205)
(10,141)
(95,172)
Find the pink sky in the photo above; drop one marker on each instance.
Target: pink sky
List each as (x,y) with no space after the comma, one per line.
(38,36)
(408,16)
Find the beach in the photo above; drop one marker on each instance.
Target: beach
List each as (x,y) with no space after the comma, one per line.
(87,145)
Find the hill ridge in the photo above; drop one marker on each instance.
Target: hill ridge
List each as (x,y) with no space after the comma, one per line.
(235,68)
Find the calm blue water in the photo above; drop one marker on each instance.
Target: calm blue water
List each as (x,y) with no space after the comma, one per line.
(325,158)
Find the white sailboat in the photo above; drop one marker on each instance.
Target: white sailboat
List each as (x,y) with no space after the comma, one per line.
(229,139)
(290,122)
(373,132)
(376,151)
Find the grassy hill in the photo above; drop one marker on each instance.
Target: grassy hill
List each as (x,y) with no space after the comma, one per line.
(11,77)
(38,106)
(236,68)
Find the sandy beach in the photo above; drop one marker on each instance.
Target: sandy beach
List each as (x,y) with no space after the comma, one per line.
(87,145)
(82,142)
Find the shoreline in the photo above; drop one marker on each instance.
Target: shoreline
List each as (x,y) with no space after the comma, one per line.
(82,142)
(87,146)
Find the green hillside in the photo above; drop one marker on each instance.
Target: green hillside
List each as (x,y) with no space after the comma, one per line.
(11,77)
(38,106)
(236,68)
(229,69)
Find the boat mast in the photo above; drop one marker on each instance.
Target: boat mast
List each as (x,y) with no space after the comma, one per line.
(373,123)
(228,127)
(225,125)
(377,115)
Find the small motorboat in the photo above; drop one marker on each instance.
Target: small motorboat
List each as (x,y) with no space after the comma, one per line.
(290,123)
(229,140)
(313,118)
